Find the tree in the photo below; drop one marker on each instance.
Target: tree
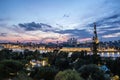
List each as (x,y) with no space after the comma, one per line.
(51,57)
(36,54)
(5,54)
(91,71)
(62,63)
(114,66)
(27,53)
(46,73)
(63,54)
(9,68)
(22,76)
(80,63)
(75,55)
(68,75)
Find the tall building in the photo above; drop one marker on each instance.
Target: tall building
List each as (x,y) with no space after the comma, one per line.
(72,41)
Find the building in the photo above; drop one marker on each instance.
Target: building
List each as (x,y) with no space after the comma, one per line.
(72,42)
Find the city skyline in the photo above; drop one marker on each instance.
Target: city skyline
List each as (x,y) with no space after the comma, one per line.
(58,20)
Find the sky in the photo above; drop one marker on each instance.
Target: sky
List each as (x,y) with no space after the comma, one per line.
(58,20)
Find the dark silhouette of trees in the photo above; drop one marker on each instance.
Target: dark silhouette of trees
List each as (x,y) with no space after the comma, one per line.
(5,54)
(80,63)
(46,73)
(9,68)
(75,55)
(51,57)
(91,72)
(68,75)
(11,63)
(113,65)
(22,76)
(62,63)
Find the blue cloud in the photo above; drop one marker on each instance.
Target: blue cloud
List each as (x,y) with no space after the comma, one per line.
(3,34)
(34,26)
(112,17)
(45,28)
(75,33)
(4,19)
(110,20)
(105,24)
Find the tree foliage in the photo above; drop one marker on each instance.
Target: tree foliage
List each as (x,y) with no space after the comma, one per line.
(91,71)
(22,76)
(68,75)
(47,73)
(9,68)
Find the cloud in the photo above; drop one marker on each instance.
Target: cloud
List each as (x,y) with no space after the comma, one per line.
(85,39)
(107,25)
(75,33)
(112,17)
(49,33)
(112,35)
(3,24)
(65,15)
(3,34)
(107,20)
(1,19)
(48,28)
(49,39)
(4,19)
(35,26)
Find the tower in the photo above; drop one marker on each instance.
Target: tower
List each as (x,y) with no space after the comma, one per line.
(95,37)
(95,41)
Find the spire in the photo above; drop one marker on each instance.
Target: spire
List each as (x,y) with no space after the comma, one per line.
(95,32)
(95,40)
(95,37)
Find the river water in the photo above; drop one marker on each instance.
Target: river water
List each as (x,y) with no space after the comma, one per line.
(104,54)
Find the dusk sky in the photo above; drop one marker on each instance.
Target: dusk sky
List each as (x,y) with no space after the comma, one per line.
(58,20)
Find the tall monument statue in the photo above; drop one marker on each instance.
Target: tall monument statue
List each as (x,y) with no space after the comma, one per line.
(95,41)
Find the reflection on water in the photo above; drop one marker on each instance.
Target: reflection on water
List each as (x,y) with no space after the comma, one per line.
(110,54)
(106,54)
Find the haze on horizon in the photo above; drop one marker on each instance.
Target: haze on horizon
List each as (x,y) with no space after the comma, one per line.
(58,20)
